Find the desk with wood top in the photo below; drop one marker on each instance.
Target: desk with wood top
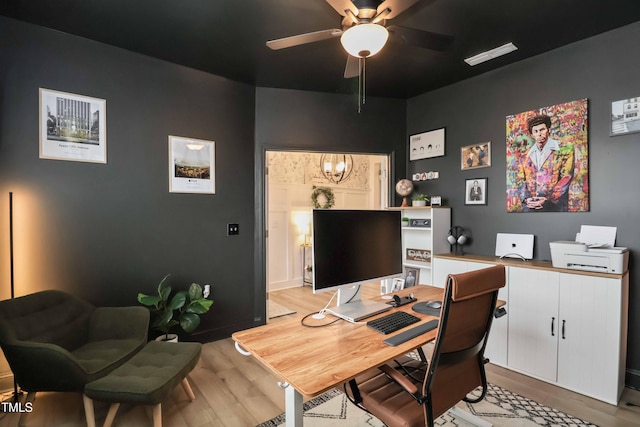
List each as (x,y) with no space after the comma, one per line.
(311,361)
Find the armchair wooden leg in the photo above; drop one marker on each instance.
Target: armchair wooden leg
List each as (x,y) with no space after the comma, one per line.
(111,415)
(88,411)
(157,415)
(187,389)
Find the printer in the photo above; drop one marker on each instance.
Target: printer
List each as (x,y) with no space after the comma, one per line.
(580,256)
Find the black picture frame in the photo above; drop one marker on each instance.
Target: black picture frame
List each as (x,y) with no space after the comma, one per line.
(475,194)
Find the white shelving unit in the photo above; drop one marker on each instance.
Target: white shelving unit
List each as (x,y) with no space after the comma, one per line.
(425,241)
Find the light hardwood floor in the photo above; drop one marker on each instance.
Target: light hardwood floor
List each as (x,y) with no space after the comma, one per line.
(235,391)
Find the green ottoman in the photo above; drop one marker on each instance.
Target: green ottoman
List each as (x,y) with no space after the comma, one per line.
(146,379)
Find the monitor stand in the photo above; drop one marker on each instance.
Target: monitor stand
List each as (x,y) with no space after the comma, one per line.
(352,308)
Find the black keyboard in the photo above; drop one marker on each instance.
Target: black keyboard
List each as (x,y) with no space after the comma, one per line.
(392,322)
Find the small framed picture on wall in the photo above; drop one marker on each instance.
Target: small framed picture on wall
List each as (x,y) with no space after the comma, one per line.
(427,144)
(475,156)
(475,191)
(625,116)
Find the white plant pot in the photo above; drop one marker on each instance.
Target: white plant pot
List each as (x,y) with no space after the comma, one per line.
(168,338)
(418,203)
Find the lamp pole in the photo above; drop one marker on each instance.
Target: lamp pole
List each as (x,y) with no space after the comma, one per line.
(16,393)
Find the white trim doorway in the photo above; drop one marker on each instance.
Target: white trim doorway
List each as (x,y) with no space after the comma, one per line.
(289,179)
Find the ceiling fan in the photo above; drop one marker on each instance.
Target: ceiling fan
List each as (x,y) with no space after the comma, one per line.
(363,31)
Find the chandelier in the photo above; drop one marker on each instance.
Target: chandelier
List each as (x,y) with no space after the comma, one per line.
(336,167)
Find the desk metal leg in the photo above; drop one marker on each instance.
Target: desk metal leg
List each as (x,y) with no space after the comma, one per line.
(293,407)
(292,399)
(468,417)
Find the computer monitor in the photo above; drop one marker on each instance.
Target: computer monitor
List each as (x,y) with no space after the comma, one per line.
(353,247)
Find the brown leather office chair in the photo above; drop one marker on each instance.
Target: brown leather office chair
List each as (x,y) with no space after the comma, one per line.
(409,392)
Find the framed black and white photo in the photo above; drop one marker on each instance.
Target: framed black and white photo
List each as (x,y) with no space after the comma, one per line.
(475,191)
(411,276)
(398,284)
(427,144)
(475,156)
(72,127)
(625,116)
(191,165)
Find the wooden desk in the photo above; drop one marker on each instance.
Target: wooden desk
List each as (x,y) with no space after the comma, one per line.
(313,360)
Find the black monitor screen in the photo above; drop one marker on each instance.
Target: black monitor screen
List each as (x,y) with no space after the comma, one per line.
(355,246)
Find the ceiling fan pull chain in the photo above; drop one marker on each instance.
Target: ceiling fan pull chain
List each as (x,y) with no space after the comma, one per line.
(364,80)
(360,85)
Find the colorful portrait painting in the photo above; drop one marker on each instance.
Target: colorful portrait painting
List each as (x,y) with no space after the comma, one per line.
(548,159)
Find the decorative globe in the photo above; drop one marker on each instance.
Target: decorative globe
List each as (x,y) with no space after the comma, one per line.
(404,187)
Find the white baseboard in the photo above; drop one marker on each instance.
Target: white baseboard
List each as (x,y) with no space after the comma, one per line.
(285,284)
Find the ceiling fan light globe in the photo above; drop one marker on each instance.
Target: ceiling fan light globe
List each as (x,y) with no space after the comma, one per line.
(364,40)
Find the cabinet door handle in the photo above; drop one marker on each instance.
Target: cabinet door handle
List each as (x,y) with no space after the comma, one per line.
(553,320)
(563,329)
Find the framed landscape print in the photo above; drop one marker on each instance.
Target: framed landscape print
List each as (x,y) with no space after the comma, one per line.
(191,165)
(72,127)
(625,116)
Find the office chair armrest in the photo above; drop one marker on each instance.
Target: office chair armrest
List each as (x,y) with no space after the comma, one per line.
(400,379)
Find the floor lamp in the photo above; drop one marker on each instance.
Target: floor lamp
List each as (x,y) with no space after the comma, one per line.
(16,393)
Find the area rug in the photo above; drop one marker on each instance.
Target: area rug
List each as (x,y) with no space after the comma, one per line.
(500,407)
(277,310)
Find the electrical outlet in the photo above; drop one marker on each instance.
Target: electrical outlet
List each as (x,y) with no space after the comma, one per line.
(233,229)
(207,291)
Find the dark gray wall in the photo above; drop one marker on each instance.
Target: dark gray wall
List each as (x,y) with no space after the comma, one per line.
(602,69)
(108,231)
(312,121)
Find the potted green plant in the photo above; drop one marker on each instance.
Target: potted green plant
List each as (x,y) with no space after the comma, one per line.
(182,308)
(419,200)
(405,221)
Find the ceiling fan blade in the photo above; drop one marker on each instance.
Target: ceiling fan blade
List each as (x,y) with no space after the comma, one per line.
(353,67)
(396,6)
(420,38)
(303,38)
(341,5)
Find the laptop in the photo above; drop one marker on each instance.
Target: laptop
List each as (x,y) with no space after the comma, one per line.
(514,245)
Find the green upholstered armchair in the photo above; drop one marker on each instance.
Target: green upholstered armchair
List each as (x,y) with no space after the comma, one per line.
(54,341)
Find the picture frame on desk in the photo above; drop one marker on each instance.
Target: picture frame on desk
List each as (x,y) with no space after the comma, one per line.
(398,284)
(411,276)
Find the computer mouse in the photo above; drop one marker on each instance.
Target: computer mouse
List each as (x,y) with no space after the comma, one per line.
(434,304)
